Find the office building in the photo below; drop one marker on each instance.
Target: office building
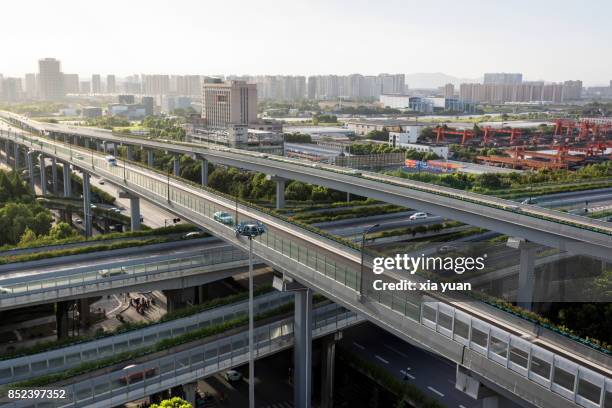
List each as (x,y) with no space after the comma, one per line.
(31,88)
(50,80)
(503,78)
(71,83)
(111,86)
(229,103)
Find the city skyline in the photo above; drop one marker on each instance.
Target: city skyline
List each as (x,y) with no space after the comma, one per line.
(467,40)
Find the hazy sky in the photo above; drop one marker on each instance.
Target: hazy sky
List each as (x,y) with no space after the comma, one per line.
(551,40)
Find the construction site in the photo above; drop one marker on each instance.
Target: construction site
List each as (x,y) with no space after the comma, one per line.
(569,144)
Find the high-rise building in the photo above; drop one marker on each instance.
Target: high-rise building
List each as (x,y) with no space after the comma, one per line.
(111,86)
(156,84)
(391,83)
(71,83)
(572,90)
(30,86)
(10,89)
(85,87)
(229,103)
(96,84)
(503,78)
(148,102)
(50,80)
(449,90)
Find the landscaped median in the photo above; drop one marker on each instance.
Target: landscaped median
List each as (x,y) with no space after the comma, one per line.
(128,240)
(162,345)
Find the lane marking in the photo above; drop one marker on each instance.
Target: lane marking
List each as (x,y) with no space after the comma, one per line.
(461,406)
(405,373)
(432,389)
(381,359)
(359,346)
(396,350)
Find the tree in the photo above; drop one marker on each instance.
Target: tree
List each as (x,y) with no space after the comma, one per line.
(60,231)
(174,402)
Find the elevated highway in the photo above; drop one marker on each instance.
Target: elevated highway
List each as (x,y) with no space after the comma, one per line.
(186,364)
(493,339)
(547,227)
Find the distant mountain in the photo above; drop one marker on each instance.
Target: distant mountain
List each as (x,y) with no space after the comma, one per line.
(435,79)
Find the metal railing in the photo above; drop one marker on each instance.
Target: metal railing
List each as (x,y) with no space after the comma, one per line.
(172,369)
(51,286)
(52,361)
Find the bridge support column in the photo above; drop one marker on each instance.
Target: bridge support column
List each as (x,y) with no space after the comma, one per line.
(204,172)
(86,142)
(190,392)
(176,166)
(54,175)
(61,319)
(150,158)
(328,365)
(280,190)
(469,385)
(67,175)
(43,174)
(86,204)
(84,312)
(134,213)
(348,197)
(16,151)
(526,283)
(129,152)
(30,160)
(302,349)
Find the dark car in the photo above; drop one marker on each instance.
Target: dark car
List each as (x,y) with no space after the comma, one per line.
(250,228)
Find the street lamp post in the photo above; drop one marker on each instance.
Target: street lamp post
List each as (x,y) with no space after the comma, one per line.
(250,232)
(361,277)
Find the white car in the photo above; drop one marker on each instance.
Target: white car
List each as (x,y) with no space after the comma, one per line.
(232,375)
(418,216)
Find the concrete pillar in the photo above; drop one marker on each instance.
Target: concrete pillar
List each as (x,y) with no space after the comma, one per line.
(176,165)
(204,172)
(30,160)
(280,190)
(84,312)
(87,218)
(61,319)
(54,175)
(98,145)
(302,349)
(86,142)
(190,392)
(280,193)
(526,277)
(150,158)
(134,213)
(15,156)
(348,197)
(328,365)
(130,152)
(66,172)
(43,174)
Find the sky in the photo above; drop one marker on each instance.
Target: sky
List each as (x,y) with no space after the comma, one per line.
(545,40)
